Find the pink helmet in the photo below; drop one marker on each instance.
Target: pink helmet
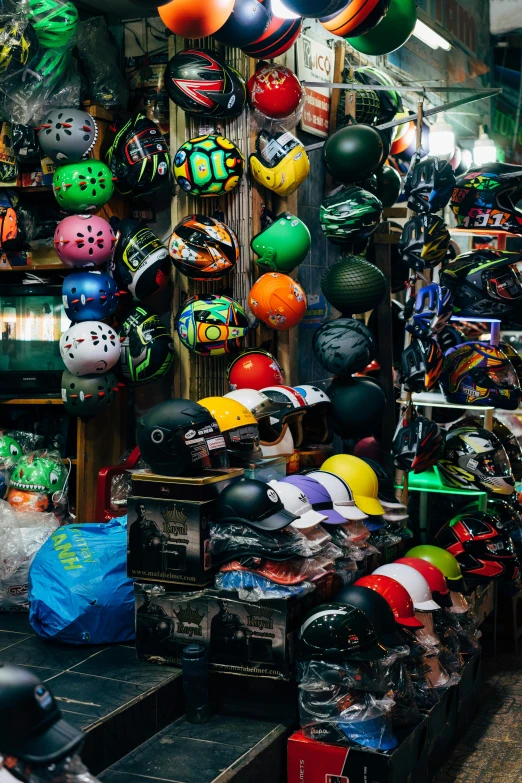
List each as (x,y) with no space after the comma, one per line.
(84,241)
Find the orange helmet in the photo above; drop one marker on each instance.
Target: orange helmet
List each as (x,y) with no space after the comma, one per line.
(195,20)
(278,301)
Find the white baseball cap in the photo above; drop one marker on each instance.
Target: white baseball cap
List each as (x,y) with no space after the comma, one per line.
(340,492)
(295,501)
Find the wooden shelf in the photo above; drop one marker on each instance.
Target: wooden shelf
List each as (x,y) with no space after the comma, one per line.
(33,401)
(36,189)
(38,268)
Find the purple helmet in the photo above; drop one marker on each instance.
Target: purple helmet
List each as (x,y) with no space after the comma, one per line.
(318,496)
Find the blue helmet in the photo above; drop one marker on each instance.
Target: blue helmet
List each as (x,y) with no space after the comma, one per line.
(89,296)
(429,185)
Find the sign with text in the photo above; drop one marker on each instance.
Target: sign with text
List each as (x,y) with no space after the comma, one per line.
(316,64)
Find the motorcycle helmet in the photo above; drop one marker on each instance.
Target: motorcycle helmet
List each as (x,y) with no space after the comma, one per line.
(283,244)
(486,198)
(291,411)
(278,301)
(238,426)
(275,441)
(390,100)
(278,38)
(141,263)
(208,165)
(429,185)
(507,512)
(89,395)
(211,325)
(479,374)
(203,248)
(275,91)
(314,8)
(54,22)
(361,479)
(421,365)
(434,577)
(396,596)
(254,369)
(180,438)
(424,241)
(317,421)
(358,406)
(349,214)
(252,503)
(485,284)
(352,285)
(512,446)
(450,337)
(280,162)
(376,609)
(139,157)
(416,445)
(353,153)
(386,184)
(337,632)
(247,23)
(83,187)
(473,458)
(200,82)
(89,296)
(414,582)
(344,346)
(90,347)
(67,135)
(429,311)
(295,501)
(356,18)
(444,561)
(18,45)
(147,351)
(515,359)
(256,401)
(188,20)
(340,493)
(483,550)
(84,241)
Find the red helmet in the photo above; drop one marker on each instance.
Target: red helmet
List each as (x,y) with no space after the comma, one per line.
(275,91)
(434,577)
(254,369)
(397,596)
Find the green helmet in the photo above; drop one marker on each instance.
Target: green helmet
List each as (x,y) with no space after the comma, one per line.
(390,100)
(444,561)
(350,214)
(10,450)
(83,187)
(88,395)
(54,22)
(39,472)
(283,245)
(49,68)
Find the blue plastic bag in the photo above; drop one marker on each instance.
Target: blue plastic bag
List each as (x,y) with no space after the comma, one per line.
(79,592)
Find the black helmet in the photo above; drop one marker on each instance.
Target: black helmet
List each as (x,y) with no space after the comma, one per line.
(429,310)
(416,445)
(353,152)
(450,337)
(485,284)
(512,446)
(357,405)
(344,346)
(376,609)
(513,356)
(247,23)
(473,458)
(141,262)
(421,365)
(506,511)
(429,185)
(200,82)
(88,395)
(147,350)
(350,214)
(390,100)
(252,503)
(337,632)
(32,729)
(424,241)
(179,438)
(487,197)
(353,285)
(139,157)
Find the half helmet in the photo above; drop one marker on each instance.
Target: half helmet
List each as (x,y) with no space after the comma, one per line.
(319,496)
(256,401)
(212,325)
(344,346)
(353,285)
(360,477)
(376,608)
(473,458)
(54,21)
(424,241)
(416,445)
(429,185)
(83,187)
(203,248)
(253,503)
(239,427)
(89,296)
(280,162)
(84,241)
(292,411)
(275,91)
(479,374)
(141,263)
(358,406)
(278,301)
(341,494)
(67,135)
(283,244)
(486,198)
(147,351)
(295,501)
(139,157)
(89,395)
(89,347)
(350,214)
(254,369)
(209,165)
(337,632)
(414,582)
(317,421)
(444,561)
(397,597)
(430,310)
(434,577)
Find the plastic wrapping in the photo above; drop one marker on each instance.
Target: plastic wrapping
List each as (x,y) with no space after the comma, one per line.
(252,587)
(38,482)
(405,711)
(357,676)
(317,536)
(290,572)
(353,533)
(11,545)
(231,540)
(99,56)
(68,770)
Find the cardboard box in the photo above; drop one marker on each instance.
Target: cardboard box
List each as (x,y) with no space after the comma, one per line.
(207,486)
(442,728)
(482,599)
(468,693)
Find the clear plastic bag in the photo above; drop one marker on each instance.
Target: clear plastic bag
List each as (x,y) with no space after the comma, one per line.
(317,536)
(99,55)
(289,572)
(252,587)
(405,711)
(231,540)
(11,544)
(68,770)
(357,676)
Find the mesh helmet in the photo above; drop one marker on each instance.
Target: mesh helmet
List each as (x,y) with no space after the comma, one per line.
(212,325)
(67,135)
(54,21)
(278,301)
(513,356)
(280,162)
(83,187)
(367,105)
(473,458)
(203,248)
(429,185)
(485,284)
(89,296)
(390,100)
(18,45)
(424,241)
(486,198)
(141,263)
(421,365)
(353,285)
(416,445)
(89,395)
(147,351)
(344,346)
(282,244)
(139,157)
(349,214)
(429,311)
(208,165)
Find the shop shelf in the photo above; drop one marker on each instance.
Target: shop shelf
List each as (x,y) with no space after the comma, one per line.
(430,481)
(436,400)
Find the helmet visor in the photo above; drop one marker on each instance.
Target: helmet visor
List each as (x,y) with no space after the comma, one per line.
(505,284)
(504,377)
(495,463)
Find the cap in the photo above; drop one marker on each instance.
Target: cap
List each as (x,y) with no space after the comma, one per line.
(252,503)
(340,492)
(295,501)
(360,477)
(318,496)
(386,493)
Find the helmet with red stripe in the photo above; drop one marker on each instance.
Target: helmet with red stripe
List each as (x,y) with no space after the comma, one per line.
(292,411)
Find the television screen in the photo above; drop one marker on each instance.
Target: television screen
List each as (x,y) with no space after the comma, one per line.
(30,330)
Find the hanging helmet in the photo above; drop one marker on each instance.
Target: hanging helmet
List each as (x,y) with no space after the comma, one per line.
(352,285)
(314,8)
(349,214)
(203,248)
(280,162)
(39,471)
(180,438)
(416,446)
(278,38)
(336,632)
(367,107)
(390,100)
(317,421)
(344,346)
(10,450)
(67,135)
(414,582)
(473,458)
(376,609)
(89,347)
(147,351)
(254,369)
(89,296)
(340,493)
(208,165)
(358,406)
(482,548)
(429,311)
(211,325)
(55,22)
(353,153)
(424,241)
(83,187)
(283,244)
(275,91)
(84,241)
(292,411)
(485,284)
(450,337)
(18,45)
(429,185)
(256,402)
(512,355)
(444,561)
(386,184)
(89,395)
(480,374)
(200,82)
(421,365)
(139,157)
(356,18)
(188,20)
(278,301)
(141,261)
(397,597)
(247,22)
(434,577)
(360,477)
(238,426)
(486,198)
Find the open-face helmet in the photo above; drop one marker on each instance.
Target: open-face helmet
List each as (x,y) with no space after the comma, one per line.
(444,561)
(421,365)
(340,493)
(84,241)
(212,325)
(353,285)
(414,582)
(424,241)
(254,369)
(473,458)
(416,445)
(344,346)
(376,608)
(203,248)
(295,501)
(147,351)
(486,198)
(434,577)
(278,301)
(89,296)
(83,187)
(283,244)
(89,395)
(67,135)
(54,22)
(256,401)
(141,263)
(292,411)
(429,185)
(275,91)
(254,504)
(350,214)
(208,166)
(238,426)
(89,347)
(280,162)
(139,157)
(317,421)
(430,310)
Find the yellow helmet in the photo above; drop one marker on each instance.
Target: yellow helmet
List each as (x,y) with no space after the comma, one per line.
(361,479)
(280,162)
(238,426)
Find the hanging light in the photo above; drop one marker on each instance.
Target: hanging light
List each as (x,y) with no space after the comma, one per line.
(467,159)
(280,10)
(428,36)
(484,149)
(442,139)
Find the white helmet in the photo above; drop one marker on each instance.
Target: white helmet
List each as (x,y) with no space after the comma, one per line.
(340,493)
(313,395)
(256,402)
(89,348)
(295,500)
(276,444)
(292,411)
(414,582)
